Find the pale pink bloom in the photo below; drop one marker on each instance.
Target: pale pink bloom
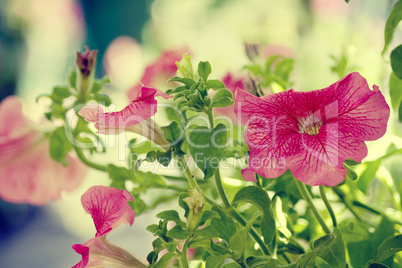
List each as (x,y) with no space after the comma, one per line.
(135,117)
(311,133)
(27,172)
(108,208)
(159,71)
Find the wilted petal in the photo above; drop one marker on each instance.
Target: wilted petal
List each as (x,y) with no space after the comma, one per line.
(108,207)
(98,252)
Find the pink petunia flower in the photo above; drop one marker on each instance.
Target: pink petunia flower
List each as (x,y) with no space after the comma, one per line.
(311,133)
(27,172)
(135,117)
(108,208)
(159,71)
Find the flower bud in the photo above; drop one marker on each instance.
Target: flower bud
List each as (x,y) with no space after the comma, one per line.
(86,65)
(195,202)
(185,67)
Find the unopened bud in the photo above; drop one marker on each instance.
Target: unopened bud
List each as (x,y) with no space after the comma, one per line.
(196,203)
(86,65)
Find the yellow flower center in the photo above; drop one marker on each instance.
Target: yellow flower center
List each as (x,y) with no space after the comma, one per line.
(310,125)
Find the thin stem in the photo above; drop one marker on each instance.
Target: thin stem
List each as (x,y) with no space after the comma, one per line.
(347,203)
(183,255)
(191,179)
(328,205)
(306,196)
(87,162)
(221,190)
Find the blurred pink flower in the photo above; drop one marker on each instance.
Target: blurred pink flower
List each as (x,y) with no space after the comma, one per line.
(108,208)
(231,83)
(159,71)
(135,117)
(27,172)
(311,133)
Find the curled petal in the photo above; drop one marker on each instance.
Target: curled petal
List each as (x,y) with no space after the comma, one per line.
(108,207)
(98,252)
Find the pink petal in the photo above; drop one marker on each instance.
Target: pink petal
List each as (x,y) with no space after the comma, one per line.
(360,111)
(108,207)
(140,109)
(98,252)
(33,177)
(91,112)
(282,126)
(162,69)
(11,116)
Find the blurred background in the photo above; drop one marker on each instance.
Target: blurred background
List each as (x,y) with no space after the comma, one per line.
(38,44)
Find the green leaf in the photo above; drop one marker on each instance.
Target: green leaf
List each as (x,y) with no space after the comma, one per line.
(262,261)
(98,84)
(206,215)
(259,198)
(362,252)
(188,82)
(215,84)
(103,99)
(255,69)
(61,92)
(396,61)
(207,147)
(225,225)
(170,215)
(400,112)
(333,253)
(353,231)
(59,145)
(171,246)
(204,70)
(214,261)
(389,247)
(347,1)
(222,98)
(208,231)
(119,173)
(392,21)
(164,157)
(350,172)
(377,265)
(395,90)
(72,79)
(231,265)
(368,175)
(172,132)
(151,156)
(164,261)
(240,241)
(183,204)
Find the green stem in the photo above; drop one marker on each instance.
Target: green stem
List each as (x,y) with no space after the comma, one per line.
(306,196)
(233,212)
(85,160)
(347,203)
(191,179)
(328,205)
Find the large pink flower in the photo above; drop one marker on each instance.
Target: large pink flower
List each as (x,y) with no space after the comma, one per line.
(108,208)
(27,172)
(159,71)
(135,117)
(311,133)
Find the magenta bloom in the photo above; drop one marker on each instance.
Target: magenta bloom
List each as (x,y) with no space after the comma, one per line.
(158,72)
(311,133)
(135,117)
(27,172)
(108,208)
